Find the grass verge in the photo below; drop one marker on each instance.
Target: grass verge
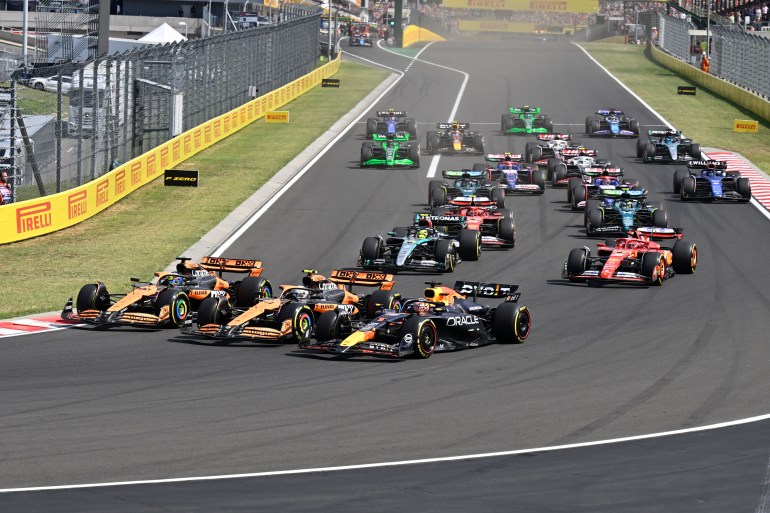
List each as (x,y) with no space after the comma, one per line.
(706,118)
(142,233)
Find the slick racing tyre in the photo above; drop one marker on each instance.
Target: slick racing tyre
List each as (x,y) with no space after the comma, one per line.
(382,300)
(695,151)
(548,124)
(578,195)
(576,263)
(370,251)
(593,127)
(251,289)
(590,205)
(571,184)
(470,244)
(414,155)
(685,257)
(498,196)
(511,324)
(533,152)
(366,152)
(538,178)
(411,127)
(433,143)
(478,143)
(588,124)
(302,321)
(687,188)
(212,311)
(330,326)
(371,127)
(639,148)
(93,296)
(633,125)
(679,176)
(506,213)
(506,230)
(654,267)
(660,218)
(550,166)
(648,153)
(433,184)
(744,189)
(439,197)
(178,306)
(559,172)
(445,253)
(506,123)
(421,334)
(595,220)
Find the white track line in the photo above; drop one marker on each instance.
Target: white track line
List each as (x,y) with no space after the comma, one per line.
(397,463)
(434,161)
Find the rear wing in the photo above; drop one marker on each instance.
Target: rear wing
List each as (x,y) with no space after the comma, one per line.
(463,173)
(520,110)
(396,113)
(572,152)
(363,278)
(652,233)
(624,193)
(607,112)
(231,265)
(554,137)
(489,290)
(705,164)
(663,132)
(502,157)
(398,136)
(445,126)
(444,220)
(598,171)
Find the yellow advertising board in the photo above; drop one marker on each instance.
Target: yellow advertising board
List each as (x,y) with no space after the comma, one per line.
(277,116)
(415,34)
(32,218)
(581,6)
(495,26)
(745,125)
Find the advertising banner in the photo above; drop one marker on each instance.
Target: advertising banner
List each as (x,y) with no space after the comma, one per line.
(576,6)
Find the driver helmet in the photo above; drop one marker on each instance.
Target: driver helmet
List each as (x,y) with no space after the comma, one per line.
(667,140)
(525,108)
(171,280)
(455,125)
(421,307)
(422,234)
(296,294)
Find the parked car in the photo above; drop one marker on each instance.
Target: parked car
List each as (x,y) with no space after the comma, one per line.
(51,83)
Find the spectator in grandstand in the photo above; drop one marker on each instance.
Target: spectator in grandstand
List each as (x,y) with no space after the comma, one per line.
(6,194)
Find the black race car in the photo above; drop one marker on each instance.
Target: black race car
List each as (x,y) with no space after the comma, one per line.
(611,123)
(454,137)
(445,319)
(667,146)
(391,121)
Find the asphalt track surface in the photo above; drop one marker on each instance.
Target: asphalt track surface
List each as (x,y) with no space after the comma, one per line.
(86,406)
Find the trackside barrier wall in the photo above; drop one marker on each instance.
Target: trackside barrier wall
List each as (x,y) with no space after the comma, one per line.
(414,34)
(32,218)
(735,94)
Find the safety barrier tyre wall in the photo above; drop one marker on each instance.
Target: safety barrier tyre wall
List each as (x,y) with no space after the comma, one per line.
(40,216)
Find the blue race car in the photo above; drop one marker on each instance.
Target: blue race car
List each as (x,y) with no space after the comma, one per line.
(612,123)
(513,174)
(667,146)
(390,123)
(710,180)
(621,211)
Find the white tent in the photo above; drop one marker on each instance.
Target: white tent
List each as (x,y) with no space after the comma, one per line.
(163,34)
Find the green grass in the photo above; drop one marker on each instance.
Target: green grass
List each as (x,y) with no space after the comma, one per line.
(146,231)
(31,101)
(706,117)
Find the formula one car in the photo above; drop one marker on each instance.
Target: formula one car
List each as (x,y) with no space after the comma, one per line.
(446,319)
(292,316)
(622,211)
(390,150)
(633,259)
(360,35)
(613,123)
(601,176)
(572,164)
(666,146)
(513,174)
(548,146)
(420,248)
(525,120)
(465,187)
(169,301)
(497,227)
(391,122)
(454,137)
(710,180)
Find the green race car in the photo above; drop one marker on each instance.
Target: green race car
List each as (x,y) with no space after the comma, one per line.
(390,150)
(525,120)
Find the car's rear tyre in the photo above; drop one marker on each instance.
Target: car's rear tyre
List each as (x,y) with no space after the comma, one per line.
(511,324)
(507,123)
(439,197)
(414,155)
(211,311)
(433,184)
(578,195)
(654,267)
(251,289)
(328,326)
(478,143)
(649,152)
(743,186)
(660,218)
(633,125)
(538,178)
(366,152)
(433,143)
(382,300)
(639,148)
(178,306)
(532,152)
(695,151)
(371,127)
(588,124)
(93,296)
(576,262)
(687,187)
(679,176)
(595,220)
(498,196)
(590,205)
(550,166)
(593,127)
(571,187)
(444,252)
(548,124)
(506,230)
(685,257)
(423,336)
(302,321)
(370,251)
(559,172)
(470,244)
(411,127)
